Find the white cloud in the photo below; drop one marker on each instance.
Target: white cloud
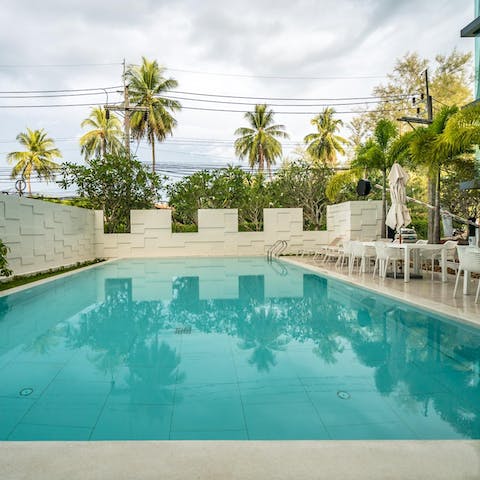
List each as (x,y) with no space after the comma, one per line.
(318,38)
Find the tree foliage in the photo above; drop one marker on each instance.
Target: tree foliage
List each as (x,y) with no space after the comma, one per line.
(259,141)
(115,184)
(147,88)
(105,134)
(324,144)
(377,153)
(4,270)
(449,76)
(38,156)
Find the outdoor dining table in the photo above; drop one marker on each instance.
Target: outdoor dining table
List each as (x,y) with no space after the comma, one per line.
(415,249)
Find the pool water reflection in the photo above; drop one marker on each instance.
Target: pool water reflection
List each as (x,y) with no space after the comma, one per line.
(229,349)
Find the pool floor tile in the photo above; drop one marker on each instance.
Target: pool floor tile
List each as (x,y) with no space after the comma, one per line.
(214,407)
(12,410)
(274,391)
(25,431)
(73,414)
(360,408)
(372,431)
(133,422)
(27,375)
(296,421)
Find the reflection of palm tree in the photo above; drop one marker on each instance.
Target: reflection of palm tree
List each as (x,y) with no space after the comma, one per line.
(153,371)
(263,332)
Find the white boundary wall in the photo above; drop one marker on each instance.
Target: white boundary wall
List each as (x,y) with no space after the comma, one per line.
(43,235)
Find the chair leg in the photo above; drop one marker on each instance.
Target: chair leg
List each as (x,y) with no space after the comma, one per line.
(456,282)
(478,292)
(375,267)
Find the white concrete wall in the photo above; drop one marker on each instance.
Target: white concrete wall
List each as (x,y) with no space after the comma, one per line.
(217,235)
(359,220)
(43,235)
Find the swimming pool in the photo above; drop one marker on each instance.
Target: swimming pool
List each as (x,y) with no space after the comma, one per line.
(228,349)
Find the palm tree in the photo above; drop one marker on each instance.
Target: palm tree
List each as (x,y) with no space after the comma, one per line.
(433,149)
(377,153)
(147,85)
(105,135)
(38,156)
(324,144)
(259,141)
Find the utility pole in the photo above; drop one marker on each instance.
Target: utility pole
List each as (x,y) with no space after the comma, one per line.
(429,107)
(126,109)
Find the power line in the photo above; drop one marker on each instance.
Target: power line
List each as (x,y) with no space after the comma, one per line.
(290,99)
(227,102)
(59,65)
(62,90)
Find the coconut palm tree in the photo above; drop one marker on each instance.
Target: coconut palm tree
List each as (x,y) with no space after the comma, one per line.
(324,144)
(104,136)
(377,153)
(37,157)
(147,87)
(258,142)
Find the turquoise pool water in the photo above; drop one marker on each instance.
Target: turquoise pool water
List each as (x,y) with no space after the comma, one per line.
(229,349)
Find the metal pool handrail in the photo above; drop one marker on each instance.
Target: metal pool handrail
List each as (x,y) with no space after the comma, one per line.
(276,249)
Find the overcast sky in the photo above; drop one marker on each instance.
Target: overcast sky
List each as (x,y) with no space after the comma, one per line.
(331,48)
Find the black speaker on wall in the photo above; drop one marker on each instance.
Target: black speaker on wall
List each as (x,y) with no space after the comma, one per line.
(364,187)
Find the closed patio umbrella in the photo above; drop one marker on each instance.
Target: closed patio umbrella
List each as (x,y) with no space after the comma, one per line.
(398,215)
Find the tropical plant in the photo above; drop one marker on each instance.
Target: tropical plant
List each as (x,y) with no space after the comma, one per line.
(4,270)
(431,148)
(115,184)
(377,154)
(258,142)
(37,157)
(147,88)
(104,136)
(324,144)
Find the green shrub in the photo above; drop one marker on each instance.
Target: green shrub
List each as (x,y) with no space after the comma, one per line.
(184,228)
(4,270)
(421,227)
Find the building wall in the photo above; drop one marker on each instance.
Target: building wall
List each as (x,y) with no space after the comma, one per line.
(360,220)
(43,235)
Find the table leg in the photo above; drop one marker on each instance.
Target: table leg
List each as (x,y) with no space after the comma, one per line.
(444,265)
(406,266)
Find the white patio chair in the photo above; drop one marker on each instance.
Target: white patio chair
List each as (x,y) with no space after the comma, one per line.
(469,260)
(433,253)
(322,251)
(345,254)
(360,253)
(385,255)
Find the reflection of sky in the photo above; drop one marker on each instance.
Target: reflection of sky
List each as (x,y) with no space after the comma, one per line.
(257,364)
